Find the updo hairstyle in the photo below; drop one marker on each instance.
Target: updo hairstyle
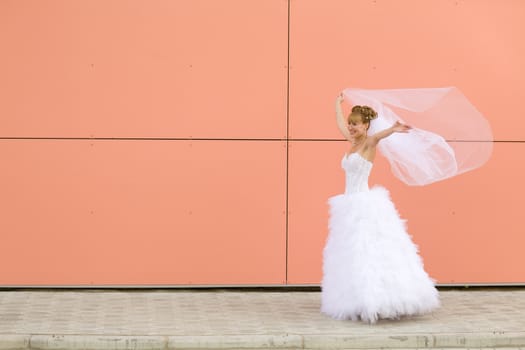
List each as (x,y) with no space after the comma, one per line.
(366,113)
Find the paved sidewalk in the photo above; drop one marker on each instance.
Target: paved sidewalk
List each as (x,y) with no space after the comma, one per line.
(239,319)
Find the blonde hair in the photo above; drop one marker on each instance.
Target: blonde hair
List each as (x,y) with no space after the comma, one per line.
(366,113)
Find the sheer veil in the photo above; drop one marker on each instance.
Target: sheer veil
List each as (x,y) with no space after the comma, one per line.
(449,136)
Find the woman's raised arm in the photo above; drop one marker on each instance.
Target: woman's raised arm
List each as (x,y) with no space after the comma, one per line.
(341,122)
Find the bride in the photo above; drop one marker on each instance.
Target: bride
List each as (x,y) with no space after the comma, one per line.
(371,267)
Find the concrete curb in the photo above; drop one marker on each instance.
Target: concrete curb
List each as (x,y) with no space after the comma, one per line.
(265,341)
(416,341)
(480,340)
(255,341)
(96,342)
(14,341)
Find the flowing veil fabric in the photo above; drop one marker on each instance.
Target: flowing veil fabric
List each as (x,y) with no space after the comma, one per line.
(449,135)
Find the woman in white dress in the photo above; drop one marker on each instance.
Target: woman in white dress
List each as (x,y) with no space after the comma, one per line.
(371,267)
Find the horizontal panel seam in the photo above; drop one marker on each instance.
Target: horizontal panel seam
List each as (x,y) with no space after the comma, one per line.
(208,139)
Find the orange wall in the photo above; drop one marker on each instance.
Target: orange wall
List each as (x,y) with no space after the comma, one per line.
(194,141)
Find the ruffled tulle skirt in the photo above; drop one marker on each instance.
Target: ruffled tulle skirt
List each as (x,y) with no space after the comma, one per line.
(371,267)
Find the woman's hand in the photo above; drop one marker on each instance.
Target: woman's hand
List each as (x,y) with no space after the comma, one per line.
(340,98)
(398,127)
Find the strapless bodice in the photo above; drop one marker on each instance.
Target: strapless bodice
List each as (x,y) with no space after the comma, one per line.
(357,170)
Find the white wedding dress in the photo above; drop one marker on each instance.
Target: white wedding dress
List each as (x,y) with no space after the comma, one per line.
(371,267)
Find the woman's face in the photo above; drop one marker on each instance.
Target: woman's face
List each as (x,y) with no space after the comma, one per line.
(356,127)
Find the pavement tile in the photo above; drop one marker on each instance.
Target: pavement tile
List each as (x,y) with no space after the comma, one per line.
(233,318)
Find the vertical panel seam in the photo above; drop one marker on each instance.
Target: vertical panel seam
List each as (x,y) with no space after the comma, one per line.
(287,140)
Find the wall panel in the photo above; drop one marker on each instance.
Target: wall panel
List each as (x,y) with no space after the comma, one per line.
(467,228)
(133,68)
(474,45)
(142,212)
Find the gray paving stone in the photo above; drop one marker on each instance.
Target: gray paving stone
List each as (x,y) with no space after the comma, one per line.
(222,319)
